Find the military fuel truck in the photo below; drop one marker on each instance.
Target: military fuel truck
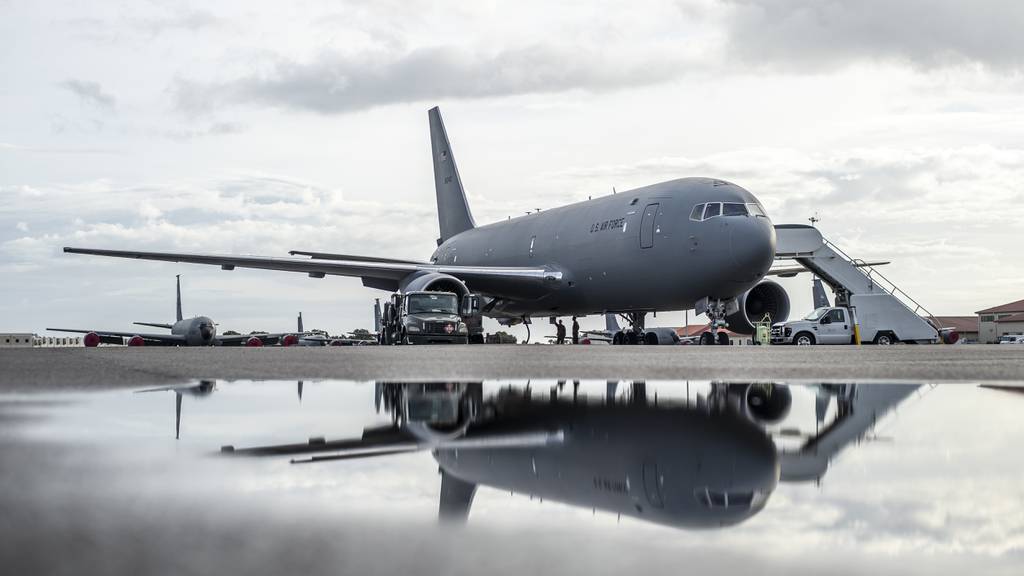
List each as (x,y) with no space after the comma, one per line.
(428,317)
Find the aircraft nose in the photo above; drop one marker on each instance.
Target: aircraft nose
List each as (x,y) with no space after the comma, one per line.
(206,331)
(752,247)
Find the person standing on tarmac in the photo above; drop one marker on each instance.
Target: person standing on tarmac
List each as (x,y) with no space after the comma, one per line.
(561,332)
(575,331)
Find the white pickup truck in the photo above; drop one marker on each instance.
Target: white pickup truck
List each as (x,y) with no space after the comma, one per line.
(879,324)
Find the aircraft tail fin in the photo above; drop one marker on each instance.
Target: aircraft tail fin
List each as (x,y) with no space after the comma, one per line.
(376,315)
(456,499)
(820,297)
(453,213)
(178,278)
(610,323)
(300,324)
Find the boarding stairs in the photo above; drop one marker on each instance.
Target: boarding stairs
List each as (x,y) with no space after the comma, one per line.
(849,276)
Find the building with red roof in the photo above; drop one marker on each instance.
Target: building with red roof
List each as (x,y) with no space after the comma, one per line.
(998,320)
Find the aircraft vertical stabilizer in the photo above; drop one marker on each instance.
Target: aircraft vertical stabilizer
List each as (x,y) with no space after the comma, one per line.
(820,298)
(300,324)
(178,278)
(610,323)
(453,213)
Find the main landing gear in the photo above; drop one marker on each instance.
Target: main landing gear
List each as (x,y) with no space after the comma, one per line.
(635,333)
(716,315)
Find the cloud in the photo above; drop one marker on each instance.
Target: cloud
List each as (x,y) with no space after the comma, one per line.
(90,93)
(820,34)
(336,83)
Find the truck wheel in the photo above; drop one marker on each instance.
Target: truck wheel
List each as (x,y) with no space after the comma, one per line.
(651,339)
(804,339)
(885,339)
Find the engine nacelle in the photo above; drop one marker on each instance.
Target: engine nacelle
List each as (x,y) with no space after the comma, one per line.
(253,342)
(761,403)
(91,340)
(765,298)
(289,340)
(434,282)
(136,341)
(767,403)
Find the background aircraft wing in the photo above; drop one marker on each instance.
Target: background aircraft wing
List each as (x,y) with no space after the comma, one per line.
(352,257)
(108,337)
(381,274)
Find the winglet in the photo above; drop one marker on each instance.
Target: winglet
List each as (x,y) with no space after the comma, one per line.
(453,213)
(178,278)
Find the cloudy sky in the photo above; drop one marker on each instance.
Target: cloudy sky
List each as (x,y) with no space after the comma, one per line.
(259,129)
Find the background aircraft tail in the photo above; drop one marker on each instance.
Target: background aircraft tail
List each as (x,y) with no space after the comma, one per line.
(610,323)
(453,213)
(178,278)
(820,297)
(300,324)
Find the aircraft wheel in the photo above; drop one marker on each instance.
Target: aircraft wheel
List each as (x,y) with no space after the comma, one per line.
(804,339)
(707,339)
(618,339)
(651,339)
(632,339)
(723,339)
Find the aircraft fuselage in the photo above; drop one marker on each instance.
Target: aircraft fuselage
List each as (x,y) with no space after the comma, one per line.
(637,250)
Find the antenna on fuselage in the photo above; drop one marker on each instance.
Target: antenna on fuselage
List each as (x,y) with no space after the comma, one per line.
(613,190)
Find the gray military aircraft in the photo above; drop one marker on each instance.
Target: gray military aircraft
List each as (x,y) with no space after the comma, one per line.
(197,331)
(700,243)
(705,464)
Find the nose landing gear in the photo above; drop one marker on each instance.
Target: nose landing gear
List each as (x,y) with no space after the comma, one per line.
(716,313)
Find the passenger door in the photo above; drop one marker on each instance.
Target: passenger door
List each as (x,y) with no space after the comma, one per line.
(647,224)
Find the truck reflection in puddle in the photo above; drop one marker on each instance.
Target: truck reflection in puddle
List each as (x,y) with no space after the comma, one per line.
(706,462)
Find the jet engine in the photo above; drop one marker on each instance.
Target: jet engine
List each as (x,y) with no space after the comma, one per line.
(765,298)
(761,403)
(434,282)
(91,340)
(136,341)
(253,342)
(289,340)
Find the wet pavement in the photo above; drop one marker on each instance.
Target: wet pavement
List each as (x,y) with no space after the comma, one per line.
(512,476)
(92,368)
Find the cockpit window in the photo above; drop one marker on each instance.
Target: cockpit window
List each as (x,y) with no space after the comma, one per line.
(713,209)
(697,213)
(756,210)
(734,209)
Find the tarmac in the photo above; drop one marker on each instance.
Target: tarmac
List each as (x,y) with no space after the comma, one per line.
(24,370)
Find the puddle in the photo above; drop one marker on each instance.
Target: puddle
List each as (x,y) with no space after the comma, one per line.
(794,475)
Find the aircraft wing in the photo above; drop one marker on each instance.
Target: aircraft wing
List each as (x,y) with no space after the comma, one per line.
(393,441)
(381,274)
(161,339)
(241,339)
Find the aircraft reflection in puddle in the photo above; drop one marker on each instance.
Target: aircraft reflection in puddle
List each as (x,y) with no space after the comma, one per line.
(201,390)
(710,462)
